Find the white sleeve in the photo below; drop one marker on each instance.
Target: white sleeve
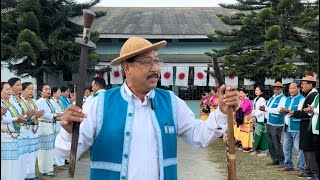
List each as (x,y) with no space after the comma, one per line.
(86,132)
(42,105)
(199,133)
(7,118)
(261,102)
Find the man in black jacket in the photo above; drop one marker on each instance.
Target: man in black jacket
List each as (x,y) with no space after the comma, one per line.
(308,85)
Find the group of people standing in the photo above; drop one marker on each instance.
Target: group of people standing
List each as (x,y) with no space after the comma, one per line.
(29,127)
(259,126)
(209,102)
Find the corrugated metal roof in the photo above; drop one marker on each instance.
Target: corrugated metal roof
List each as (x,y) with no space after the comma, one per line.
(168,21)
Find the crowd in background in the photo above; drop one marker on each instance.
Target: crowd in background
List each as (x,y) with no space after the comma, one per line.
(29,126)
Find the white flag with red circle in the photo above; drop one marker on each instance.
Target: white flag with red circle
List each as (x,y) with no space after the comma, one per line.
(182,74)
(287,80)
(116,75)
(200,77)
(248,82)
(166,76)
(269,81)
(231,80)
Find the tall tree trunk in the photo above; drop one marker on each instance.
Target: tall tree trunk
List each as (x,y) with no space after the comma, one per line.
(39,78)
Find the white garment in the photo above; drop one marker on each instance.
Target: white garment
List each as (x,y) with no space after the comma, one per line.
(315,118)
(259,115)
(300,105)
(10,159)
(143,159)
(23,137)
(57,159)
(33,147)
(276,110)
(46,132)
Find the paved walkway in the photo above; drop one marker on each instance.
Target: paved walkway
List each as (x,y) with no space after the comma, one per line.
(192,165)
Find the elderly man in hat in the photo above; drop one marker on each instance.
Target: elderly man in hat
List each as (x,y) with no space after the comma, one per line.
(132,129)
(308,85)
(275,123)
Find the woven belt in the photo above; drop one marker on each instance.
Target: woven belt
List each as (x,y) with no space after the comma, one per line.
(46,121)
(7,131)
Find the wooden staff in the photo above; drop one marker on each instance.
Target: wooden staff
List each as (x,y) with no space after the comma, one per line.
(231,152)
(85,44)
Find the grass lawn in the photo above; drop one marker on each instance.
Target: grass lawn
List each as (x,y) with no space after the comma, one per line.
(248,167)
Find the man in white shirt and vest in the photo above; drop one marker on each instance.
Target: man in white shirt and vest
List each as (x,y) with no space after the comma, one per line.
(292,129)
(132,129)
(275,123)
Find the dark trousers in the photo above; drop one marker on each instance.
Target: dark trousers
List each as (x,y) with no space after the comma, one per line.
(311,163)
(274,143)
(316,149)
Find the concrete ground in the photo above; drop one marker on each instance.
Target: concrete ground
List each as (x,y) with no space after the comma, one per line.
(192,165)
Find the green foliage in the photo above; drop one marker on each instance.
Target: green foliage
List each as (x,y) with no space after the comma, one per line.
(37,36)
(267,42)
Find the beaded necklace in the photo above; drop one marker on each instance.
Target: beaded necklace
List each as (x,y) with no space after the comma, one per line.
(35,122)
(59,103)
(18,102)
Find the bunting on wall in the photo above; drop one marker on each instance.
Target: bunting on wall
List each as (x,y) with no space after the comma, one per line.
(287,80)
(200,77)
(182,74)
(116,75)
(248,82)
(166,76)
(269,81)
(231,80)
(212,80)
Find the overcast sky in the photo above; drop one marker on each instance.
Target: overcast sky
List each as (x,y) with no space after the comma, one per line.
(160,3)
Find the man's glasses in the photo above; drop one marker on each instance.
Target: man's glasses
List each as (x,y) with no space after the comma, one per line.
(149,64)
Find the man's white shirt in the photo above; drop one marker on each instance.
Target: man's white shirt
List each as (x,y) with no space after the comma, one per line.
(143,159)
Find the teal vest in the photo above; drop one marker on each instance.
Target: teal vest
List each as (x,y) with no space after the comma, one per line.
(276,119)
(111,149)
(294,123)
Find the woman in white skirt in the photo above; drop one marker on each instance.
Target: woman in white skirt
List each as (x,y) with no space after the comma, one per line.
(33,125)
(57,104)
(10,134)
(46,132)
(18,102)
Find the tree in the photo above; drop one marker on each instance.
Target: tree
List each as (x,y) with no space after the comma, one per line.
(37,36)
(266,41)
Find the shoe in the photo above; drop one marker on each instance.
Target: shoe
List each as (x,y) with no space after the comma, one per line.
(48,174)
(314,177)
(254,153)
(273,163)
(247,150)
(263,154)
(305,174)
(284,169)
(240,148)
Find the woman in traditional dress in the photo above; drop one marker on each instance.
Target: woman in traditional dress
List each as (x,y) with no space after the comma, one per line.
(204,110)
(246,129)
(19,103)
(10,136)
(213,100)
(46,132)
(27,92)
(58,106)
(260,133)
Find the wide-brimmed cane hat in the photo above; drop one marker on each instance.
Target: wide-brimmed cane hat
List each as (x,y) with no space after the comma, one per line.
(135,46)
(308,78)
(278,84)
